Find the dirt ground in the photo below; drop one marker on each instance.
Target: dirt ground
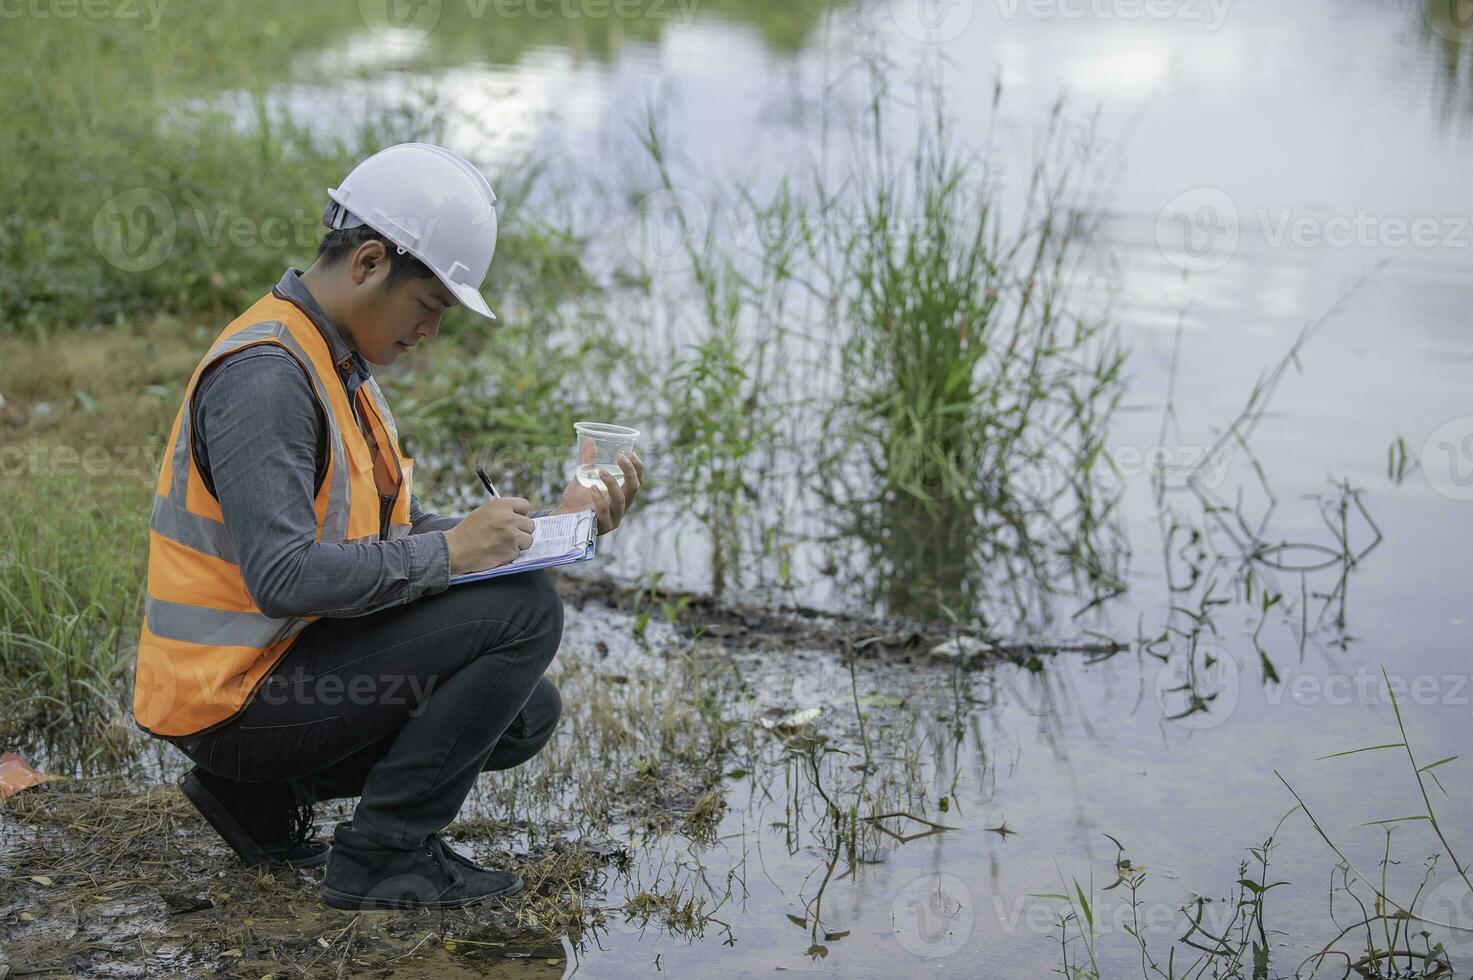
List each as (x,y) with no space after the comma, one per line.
(110,880)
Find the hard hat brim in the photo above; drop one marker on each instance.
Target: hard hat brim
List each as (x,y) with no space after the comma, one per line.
(470,298)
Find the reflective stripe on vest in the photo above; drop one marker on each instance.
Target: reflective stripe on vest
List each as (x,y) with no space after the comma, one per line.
(204,646)
(215,627)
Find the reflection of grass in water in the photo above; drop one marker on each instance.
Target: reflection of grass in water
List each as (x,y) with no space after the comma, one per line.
(922,555)
(1233,547)
(1398,927)
(1446,29)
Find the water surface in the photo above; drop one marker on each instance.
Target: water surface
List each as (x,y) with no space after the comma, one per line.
(1322,115)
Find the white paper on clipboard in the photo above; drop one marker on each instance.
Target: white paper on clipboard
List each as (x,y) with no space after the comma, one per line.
(560,539)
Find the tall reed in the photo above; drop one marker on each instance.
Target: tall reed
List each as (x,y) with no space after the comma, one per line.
(971,376)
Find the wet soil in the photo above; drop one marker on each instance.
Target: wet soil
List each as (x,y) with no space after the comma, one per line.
(107,877)
(749,625)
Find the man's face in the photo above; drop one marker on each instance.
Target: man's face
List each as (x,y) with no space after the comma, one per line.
(388,320)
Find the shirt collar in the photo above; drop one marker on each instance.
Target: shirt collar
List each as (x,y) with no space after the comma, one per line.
(349,361)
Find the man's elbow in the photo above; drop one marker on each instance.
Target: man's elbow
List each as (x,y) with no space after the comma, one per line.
(279,586)
(276,600)
(275,606)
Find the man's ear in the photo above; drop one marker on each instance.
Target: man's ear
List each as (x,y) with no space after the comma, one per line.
(370,259)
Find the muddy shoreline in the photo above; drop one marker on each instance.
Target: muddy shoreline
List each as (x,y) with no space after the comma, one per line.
(749,625)
(114,877)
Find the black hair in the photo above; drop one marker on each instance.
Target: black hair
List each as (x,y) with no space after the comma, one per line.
(339,243)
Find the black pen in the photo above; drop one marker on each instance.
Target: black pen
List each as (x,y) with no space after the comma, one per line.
(490,487)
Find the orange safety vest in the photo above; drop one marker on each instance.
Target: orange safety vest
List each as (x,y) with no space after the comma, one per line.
(205,647)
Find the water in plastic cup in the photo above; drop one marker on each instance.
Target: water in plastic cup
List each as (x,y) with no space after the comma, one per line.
(608,442)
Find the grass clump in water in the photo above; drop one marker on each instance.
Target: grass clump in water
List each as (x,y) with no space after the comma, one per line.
(977,391)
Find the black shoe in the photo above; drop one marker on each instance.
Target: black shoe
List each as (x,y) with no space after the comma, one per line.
(364,875)
(262,822)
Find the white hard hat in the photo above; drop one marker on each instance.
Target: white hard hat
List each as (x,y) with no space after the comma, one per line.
(433,204)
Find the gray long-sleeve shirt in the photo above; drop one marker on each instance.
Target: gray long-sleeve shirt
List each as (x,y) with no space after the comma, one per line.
(261,446)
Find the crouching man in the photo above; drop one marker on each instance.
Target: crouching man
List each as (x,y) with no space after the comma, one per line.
(299,641)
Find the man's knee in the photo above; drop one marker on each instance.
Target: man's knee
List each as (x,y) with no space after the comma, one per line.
(546,606)
(542,710)
(530,604)
(530,731)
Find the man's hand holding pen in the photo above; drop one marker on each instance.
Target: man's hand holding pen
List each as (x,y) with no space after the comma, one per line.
(491,535)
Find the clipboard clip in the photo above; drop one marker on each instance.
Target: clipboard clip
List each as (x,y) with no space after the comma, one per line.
(590,518)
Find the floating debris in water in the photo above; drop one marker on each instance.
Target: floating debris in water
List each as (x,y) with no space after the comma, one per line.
(17,774)
(962,649)
(787,721)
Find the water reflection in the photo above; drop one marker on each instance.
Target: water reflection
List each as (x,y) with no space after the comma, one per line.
(969,556)
(1446,31)
(1007,565)
(918,557)
(485,33)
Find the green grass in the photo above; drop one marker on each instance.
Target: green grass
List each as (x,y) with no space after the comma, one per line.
(85,419)
(922,355)
(223,193)
(507,398)
(722,394)
(71,591)
(973,381)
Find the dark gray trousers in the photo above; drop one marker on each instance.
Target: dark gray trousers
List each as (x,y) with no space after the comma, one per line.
(403,708)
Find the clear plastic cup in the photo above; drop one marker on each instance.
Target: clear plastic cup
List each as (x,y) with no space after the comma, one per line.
(599,445)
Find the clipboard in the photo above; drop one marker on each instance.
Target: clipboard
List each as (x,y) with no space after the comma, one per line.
(566,540)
